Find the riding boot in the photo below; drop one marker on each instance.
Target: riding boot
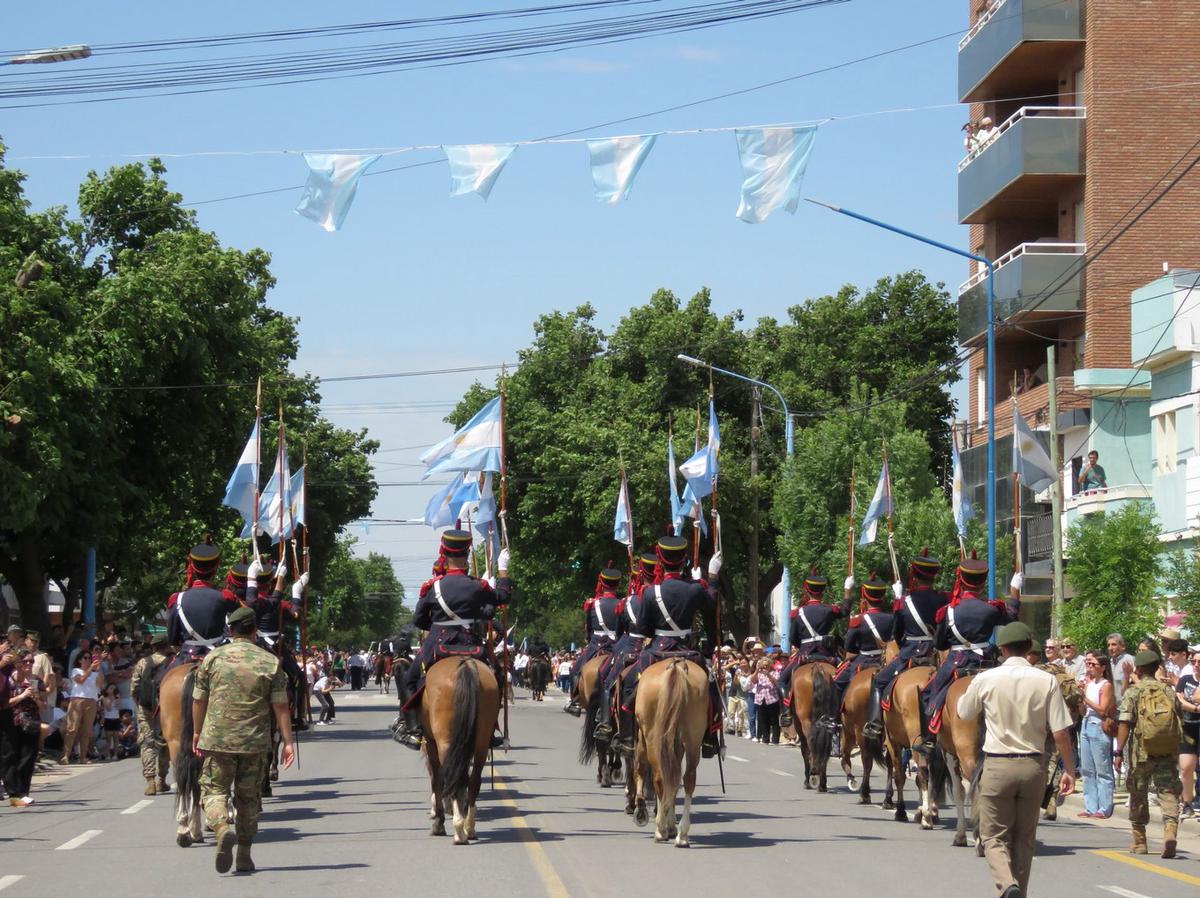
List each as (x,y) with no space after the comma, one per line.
(928,741)
(873,728)
(409,732)
(710,746)
(624,738)
(604,722)
(243,862)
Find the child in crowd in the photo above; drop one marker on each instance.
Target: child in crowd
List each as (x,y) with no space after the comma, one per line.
(127,736)
(110,721)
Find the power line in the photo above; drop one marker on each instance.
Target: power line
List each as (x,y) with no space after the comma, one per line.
(320,380)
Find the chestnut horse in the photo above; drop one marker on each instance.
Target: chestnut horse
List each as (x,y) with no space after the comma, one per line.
(961,742)
(814,698)
(458,714)
(902,730)
(175,718)
(672,714)
(590,697)
(855,707)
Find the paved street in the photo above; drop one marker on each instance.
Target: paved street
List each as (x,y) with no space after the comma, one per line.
(354,815)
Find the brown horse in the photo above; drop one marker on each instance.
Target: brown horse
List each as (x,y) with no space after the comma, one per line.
(458,714)
(539,676)
(814,699)
(902,730)
(961,741)
(175,717)
(590,696)
(672,714)
(855,707)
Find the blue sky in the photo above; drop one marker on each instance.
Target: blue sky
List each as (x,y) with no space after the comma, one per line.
(418,280)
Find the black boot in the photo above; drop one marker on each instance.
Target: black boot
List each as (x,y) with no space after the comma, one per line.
(624,738)
(873,728)
(409,733)
(710,746)
(928,741)
(604,723)
(785,715)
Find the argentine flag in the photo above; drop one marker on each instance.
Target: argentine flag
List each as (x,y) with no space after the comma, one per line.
(700,470)
(615,163)
(474,447)
(298,509)
(475,168)
(243,482)
(963,511)
(773,162)
(275,502)
(1029,459)
(331,186)
(439,512)
(623,522)
(880,507)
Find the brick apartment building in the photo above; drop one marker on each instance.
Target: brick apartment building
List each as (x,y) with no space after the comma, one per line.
(1086,122)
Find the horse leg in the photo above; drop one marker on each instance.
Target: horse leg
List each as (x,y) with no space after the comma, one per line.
(925,810)
(802,733)
(640,815)
(899,776)
(183,818)
(460,822)
(473,795)
(437,809)
(664,813)
(847,768)
(630,785)
(685,824)
(868,763)
(196,815)
(960,806)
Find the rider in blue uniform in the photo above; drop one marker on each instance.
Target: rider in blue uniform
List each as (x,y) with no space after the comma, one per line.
(631,639)
(964,628)
(455,608)
(866,635)
(809,631)
(912,630)
(669,608)
(265,594)
(196,621)
(600,625)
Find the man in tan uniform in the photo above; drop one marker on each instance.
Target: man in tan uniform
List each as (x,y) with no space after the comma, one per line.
(1021,704)
(151,746)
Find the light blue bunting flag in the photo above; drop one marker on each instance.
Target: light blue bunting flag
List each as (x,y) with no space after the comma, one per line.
(474,447)
(615,163)
(773,161)
(332,183)
(243,482)
(299,510)
(474,168)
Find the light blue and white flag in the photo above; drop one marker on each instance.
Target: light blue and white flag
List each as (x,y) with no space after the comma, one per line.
(332,183)
(474,447)
(1029,458)
(439,512)
(700,470)
(299,510)
(880,507)
(773,162)
(678,512)
(241,490)
(275,502)
(690,507)
(963,510)
(623,522)
(485,519)
(615,163)
(474,168)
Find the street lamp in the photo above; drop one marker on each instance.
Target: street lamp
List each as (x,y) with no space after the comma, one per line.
(790,434)
(991,368)
(54,54)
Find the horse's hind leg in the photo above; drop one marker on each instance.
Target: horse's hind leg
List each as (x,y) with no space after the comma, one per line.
(640,815)
(868,763)
(960,807)
(664,814)
(685,823)
(183,821)
(847,767)
(899,775)
(460,822)
(806,755)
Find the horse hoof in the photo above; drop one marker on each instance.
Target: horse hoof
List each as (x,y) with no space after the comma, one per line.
(978,847)
(661,840)
(901,816)
(919,815)
(437,830)
(888,805)
(681,843)
(274,776)
(183,840)
(852,784)
(812,782)
(462,841)
(266,792)
(864,799)
(641,817)
(959,841)
(822,789)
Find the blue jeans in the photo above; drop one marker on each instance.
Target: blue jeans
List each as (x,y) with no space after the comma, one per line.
(752,715)
(1095,751)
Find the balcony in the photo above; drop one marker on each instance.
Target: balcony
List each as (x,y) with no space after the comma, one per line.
(1114,498)
(1034,405)
(1022,167)
(1044,276)
(1014,46)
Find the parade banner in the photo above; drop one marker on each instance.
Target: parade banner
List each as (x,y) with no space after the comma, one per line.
(1029,459)
(615,163)
(241,492)
(474,447)
(332,183)
(773,161)
(474,168)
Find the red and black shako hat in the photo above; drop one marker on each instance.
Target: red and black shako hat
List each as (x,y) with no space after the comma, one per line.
(875,589)
(672,551)
(925,565)
(456,543)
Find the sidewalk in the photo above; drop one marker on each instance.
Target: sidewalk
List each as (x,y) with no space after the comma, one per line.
(1189,828)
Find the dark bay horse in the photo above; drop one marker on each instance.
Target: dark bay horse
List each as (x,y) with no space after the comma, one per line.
(672,714)
(539,677)
(814,699)
(458,714)
(591,694)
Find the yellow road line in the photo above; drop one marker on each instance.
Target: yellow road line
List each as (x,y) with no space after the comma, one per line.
(537,854)
(1134,861)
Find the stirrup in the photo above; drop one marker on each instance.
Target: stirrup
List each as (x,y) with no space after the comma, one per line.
(873,729)
(710,746)
(573,707)
(927,744)
(623,742)
(785,717)
(603,731)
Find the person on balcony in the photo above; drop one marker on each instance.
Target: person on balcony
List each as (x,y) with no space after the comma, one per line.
(1092,476)
(986,133)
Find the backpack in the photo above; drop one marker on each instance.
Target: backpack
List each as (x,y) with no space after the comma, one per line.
(1158,725)
(1071,693)
(147,696)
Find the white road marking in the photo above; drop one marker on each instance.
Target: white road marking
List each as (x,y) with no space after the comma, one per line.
(779,772)
(133,809)
(79,840)
(736,758)
(6,881)
(1124,893)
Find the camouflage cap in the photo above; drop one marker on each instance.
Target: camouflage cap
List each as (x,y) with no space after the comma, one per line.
(1146,659)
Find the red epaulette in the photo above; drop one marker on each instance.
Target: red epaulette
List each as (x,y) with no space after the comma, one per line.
(288,607)
(172,600)
(897,606)
(795,612)
(999,605)
(856,620)
(941,614)
(588,603)
(426,586)
(621,607)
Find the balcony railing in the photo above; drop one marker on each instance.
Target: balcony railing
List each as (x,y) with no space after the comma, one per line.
(1015,47)
(980,23)
(1030,278)
(989,140)
(1036,248)
(1108,498)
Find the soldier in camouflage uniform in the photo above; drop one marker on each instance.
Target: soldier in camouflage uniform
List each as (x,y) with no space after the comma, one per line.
(151,746)
(1160,770)
(238,686)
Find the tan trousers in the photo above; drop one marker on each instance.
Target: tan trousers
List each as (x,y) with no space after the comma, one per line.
(1010,800)
(81,718)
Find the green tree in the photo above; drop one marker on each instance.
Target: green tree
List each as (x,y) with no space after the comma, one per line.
(1114,568)
(1183,579)
(122,333)
(360,600)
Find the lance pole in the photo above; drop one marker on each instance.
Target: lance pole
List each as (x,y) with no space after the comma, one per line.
(853,503)
(699,505)
(504,662)
(257,468)
(887,486)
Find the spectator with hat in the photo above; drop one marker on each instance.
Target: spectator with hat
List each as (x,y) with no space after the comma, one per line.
(1149,723)
(1021,706)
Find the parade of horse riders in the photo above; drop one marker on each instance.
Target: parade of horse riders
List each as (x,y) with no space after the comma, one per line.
(731,462)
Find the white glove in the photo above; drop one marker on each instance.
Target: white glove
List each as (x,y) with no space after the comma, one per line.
(491,581)
(714,564)
(697,574)
(503,559)
(1018,580)
(298,586)
(898,590)
(281,571)
(254,570)
(849,584)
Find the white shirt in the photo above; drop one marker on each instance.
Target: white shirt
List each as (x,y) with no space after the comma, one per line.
(321,685)
(1021,705)
(89,688)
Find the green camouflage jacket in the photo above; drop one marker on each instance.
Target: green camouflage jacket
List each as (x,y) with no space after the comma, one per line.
(240,682)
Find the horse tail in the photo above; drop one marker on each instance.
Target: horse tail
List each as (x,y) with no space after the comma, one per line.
(456,767)
(939,775)
(587,742)
(670,726)
(187,766)
(824,705)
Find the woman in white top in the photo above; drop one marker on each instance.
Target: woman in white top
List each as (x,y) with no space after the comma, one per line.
(1095,747)
(86,682)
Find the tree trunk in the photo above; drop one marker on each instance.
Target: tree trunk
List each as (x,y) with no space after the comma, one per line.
(28,580)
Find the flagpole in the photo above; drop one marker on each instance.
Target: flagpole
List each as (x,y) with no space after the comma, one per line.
(304,555)
(887,479)
(257,468)
(279,471)
(962,545)
(699,505)
(504,542)
(853,503)
(1016,478)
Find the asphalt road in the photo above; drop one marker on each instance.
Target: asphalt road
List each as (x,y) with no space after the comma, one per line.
(355,815)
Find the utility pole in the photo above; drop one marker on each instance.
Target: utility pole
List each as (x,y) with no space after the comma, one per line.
(752,610)
(1055,495)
